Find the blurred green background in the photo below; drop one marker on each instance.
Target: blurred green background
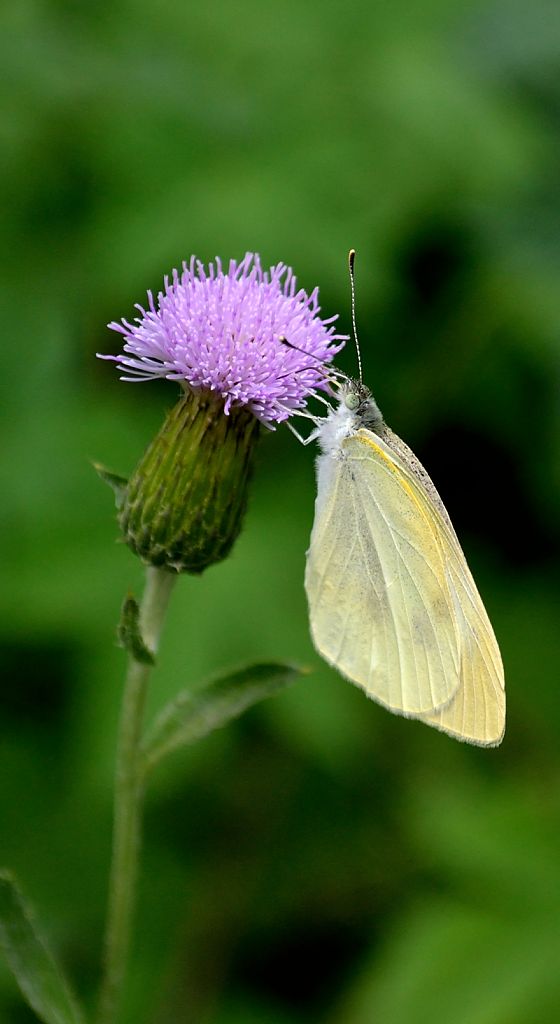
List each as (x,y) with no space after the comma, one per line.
(321,860)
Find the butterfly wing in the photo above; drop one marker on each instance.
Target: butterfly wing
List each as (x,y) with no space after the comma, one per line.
(392,602)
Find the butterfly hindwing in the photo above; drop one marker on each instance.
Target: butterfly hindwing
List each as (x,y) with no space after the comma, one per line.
(380,607)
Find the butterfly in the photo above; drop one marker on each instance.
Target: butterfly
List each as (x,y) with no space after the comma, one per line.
(392,603)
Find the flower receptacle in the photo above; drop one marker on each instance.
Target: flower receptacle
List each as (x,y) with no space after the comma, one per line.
(185,501)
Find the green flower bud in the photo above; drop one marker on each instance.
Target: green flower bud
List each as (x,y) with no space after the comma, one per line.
(184,504)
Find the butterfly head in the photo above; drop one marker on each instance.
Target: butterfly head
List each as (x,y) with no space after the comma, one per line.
(357,400)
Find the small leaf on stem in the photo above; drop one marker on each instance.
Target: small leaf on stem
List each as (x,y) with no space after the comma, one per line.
(118,483)
(129,633)
(191,716)
(35,970)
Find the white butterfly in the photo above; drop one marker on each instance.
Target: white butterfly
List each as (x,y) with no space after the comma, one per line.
(392,603)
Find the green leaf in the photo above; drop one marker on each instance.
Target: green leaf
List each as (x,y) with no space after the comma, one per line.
(35,970)
(118,483)
(129,633)
(191,716)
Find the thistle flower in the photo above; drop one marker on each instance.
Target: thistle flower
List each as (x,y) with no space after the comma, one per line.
(221,332)
(221,336)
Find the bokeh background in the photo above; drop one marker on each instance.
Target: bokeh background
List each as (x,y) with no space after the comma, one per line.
(320,860)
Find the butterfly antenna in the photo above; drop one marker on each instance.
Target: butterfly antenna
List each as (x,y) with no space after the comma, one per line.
(351,258)
(331,372)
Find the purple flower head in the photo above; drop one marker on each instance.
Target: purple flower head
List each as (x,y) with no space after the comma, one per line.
(222,332)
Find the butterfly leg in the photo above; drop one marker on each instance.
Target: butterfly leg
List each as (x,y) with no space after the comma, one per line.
(302,440)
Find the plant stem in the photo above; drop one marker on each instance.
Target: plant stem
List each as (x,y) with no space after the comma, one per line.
(128,799)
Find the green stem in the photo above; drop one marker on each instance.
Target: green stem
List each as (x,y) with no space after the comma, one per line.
(128,799)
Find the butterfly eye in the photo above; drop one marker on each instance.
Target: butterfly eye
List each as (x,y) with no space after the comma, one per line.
(352,401)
